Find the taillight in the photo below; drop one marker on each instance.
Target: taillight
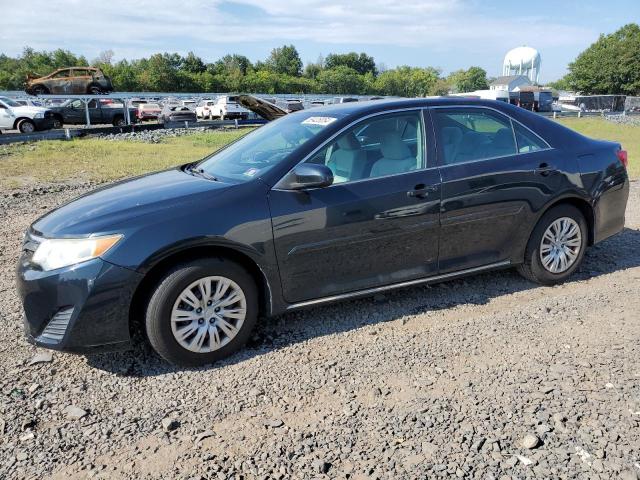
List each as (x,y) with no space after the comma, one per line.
(624,159)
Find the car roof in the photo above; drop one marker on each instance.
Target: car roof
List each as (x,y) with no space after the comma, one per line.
(373,106)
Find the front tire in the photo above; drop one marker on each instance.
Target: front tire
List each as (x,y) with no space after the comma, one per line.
(26,126)
(40,90)
(202,311)
(556,246)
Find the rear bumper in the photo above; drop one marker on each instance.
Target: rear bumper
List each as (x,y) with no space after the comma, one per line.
(609,211)
(83,308)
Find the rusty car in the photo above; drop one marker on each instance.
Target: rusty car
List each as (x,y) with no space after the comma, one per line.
(70,81)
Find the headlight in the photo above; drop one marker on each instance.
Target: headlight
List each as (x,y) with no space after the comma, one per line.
(55,253)
(39,115)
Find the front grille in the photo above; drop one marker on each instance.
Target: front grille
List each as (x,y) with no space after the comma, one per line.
(57,326)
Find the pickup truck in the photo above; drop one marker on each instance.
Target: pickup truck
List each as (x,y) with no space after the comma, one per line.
(224,108)
(25,118)
(100,112)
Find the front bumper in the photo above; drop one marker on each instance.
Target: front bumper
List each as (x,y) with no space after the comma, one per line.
(82,308)
(234,115)
(45,123)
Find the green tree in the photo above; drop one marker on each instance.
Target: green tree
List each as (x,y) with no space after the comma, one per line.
(231,64)
(475,78)
(312,69)
(159,73)
(361,63)
(611,65)
(193,64)
(440,88)
(407,81)
(341,80)
(285,60)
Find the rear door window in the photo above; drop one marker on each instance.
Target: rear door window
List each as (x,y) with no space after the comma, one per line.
(527,140)
(471,134)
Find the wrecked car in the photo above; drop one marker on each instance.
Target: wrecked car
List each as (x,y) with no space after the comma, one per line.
(70,81)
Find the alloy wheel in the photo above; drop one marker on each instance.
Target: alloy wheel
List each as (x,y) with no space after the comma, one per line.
(208,314)
(560,245)
(27,127)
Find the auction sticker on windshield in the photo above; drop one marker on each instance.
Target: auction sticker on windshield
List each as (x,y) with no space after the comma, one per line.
(322,121)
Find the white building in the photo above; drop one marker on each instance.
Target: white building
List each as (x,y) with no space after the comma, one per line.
(510,83)
(522,61)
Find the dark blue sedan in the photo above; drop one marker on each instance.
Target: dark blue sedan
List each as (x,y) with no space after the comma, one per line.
(319,206)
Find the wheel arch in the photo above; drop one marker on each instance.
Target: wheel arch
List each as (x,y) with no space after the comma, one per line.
(39,85)
(581,204)
(91,85)
(162,266)
(19,119)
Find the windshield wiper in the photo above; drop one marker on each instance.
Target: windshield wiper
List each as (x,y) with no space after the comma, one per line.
(201,173)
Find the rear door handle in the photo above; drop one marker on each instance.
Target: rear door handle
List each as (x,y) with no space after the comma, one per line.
(545,169)
(421,191)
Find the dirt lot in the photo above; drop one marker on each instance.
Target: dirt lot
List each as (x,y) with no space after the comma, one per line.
(487,377)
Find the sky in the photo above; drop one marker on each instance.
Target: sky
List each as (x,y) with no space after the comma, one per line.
(449,34)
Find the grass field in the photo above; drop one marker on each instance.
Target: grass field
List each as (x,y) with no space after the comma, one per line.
(101,160)
(627,135)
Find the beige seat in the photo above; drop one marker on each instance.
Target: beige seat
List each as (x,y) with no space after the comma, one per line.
(347,162)
(396,156)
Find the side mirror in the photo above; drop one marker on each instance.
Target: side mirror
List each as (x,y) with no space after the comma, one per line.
(305,176)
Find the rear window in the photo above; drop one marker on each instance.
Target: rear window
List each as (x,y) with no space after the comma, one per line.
(470,134)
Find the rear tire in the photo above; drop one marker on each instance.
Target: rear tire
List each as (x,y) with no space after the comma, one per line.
(119,121)
(534,268)
(223,332)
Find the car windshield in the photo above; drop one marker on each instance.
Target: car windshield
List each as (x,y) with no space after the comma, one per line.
(9,102)
(259,151)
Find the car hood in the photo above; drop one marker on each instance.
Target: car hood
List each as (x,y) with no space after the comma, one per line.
(265,109)
(110,209)
(28,110)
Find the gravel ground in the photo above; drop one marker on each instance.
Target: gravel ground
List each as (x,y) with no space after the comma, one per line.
(623,119)
(153,136)
(488,377)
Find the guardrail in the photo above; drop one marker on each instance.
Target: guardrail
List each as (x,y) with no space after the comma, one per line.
(69,133)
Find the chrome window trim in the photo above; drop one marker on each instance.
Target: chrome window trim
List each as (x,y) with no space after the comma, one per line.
(419,110)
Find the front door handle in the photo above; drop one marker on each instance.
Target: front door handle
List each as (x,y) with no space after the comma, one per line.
(545,169)
(421,191)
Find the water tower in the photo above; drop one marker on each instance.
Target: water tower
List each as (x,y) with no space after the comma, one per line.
(522,61)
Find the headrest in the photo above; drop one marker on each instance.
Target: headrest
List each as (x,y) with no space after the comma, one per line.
(470,142)
(393,148)
(451,135)
(503,138)
(348,142)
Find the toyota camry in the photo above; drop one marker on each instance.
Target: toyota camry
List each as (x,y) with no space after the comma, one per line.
(318,206)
